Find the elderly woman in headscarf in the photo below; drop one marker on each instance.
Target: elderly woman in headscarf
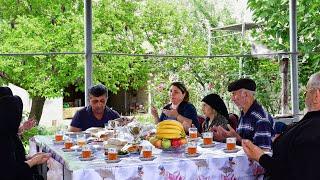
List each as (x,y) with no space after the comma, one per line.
(5,91)
(215,111)
(14,164)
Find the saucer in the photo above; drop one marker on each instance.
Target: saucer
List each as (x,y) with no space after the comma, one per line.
(123,156)
(87,159)
(67,150)
(231,151)
(76,148)
(192,155)
(135,152)
(112,161)
(147,159)
(58,142)
(207,146)
(194,139)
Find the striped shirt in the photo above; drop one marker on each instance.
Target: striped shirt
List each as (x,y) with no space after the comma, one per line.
(256,125)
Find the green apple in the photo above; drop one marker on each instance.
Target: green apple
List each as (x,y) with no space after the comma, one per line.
(166,143)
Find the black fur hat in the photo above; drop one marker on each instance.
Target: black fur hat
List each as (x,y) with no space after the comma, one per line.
(244,83)
(215,101)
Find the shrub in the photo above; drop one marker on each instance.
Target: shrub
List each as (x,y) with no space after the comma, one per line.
(38,130)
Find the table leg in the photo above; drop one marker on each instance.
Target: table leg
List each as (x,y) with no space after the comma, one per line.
(67,174)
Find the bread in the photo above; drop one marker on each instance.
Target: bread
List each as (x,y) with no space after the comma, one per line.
(93,130)
(133,148)
(117,142)
(106,146)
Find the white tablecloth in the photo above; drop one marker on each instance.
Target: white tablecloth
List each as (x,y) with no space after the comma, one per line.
(213,163)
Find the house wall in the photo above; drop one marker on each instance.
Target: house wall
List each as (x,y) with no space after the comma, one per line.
(127,102)
(52,109)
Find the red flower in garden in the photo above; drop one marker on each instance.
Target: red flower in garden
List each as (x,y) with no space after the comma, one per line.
(160,87)
(210,85)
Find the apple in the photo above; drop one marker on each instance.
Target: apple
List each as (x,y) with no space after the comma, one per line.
(175,143)
(166,144)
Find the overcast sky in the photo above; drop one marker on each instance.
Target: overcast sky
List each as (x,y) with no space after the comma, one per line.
(237,8)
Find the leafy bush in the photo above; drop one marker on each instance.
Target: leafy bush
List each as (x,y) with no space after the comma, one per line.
(145,118)
(38,130)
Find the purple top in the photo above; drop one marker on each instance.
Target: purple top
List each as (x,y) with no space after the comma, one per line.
(85,119)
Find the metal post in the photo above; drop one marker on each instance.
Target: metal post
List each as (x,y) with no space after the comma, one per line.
(294,59)
(243,30)
(209,38)
(284,64)
(88,47)
(150,102)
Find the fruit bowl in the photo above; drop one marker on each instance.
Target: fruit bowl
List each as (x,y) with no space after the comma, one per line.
(171,149)
(169,145)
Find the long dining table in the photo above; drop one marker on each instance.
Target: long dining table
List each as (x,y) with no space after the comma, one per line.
(212,163)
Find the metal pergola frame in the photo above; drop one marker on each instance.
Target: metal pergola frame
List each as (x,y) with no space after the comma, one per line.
(237,29)
(294,59)
(293,51)
(88,48)
(88,52)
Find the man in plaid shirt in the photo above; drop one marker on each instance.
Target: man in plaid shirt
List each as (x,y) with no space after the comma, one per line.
(255,123)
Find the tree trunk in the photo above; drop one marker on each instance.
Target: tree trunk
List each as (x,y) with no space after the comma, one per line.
(36,108)
(284,66)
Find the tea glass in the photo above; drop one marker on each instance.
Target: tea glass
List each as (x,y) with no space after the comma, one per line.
(112,154)
(231,143)
(192,148)
(81,140)
(59,136)
(193,133)
(68,143)
(86,152)
(147,151)
(207,138)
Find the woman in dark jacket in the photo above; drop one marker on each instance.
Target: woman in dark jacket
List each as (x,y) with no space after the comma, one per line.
(12,154)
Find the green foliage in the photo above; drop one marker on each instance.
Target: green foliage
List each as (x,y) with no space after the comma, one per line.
(204,76)
(273,15)
(41,28)
(38,130)
(145,118)
(159,27)
(267,77)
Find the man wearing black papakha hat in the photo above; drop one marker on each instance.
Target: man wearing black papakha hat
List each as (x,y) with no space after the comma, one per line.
(255,123)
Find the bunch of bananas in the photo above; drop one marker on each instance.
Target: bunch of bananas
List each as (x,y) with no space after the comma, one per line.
(170,129)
